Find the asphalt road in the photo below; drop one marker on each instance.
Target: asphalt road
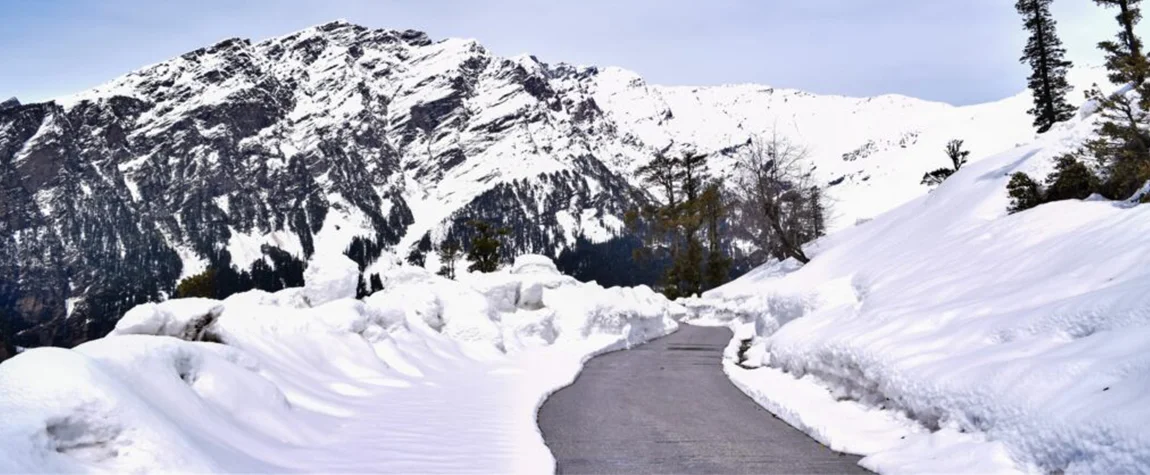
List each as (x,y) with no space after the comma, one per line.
(667,407)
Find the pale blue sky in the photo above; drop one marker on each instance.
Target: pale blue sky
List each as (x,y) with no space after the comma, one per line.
(958,51)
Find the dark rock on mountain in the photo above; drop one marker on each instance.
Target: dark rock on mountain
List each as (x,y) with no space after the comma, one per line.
(109,196)
(339,134)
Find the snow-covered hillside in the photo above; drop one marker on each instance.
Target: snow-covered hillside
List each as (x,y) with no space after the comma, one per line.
(948,336)
(307,141)
(428,376)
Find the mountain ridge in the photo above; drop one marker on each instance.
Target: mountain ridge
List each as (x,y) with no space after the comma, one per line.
(305,142)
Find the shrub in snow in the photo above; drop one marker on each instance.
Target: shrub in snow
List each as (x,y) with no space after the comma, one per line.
(1071,180)
(958,158)
(201,285)
(1024,192)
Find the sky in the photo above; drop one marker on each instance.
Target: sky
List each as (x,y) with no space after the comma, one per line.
(956,51)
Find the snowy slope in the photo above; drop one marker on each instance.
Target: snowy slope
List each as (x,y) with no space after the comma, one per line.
(947,336)
(409,380)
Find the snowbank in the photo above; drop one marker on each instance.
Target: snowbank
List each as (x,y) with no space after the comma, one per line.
(948,336)
(428,375)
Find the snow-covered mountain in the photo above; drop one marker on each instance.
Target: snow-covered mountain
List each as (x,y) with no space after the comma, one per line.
(306,141)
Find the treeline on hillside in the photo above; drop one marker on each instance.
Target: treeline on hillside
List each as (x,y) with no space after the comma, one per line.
(1116,164)
(276,270)
(483,254)
(774,207)
(610,262)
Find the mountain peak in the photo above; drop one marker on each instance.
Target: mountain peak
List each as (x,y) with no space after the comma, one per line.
(339,134)
(10,103)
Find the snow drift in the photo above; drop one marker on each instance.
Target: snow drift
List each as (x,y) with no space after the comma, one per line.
(428,375)
(948,336)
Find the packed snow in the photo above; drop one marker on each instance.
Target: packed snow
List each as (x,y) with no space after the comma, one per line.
(947,336)
(428,375)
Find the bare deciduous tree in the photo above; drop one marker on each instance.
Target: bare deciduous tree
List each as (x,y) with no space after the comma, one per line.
(779,206)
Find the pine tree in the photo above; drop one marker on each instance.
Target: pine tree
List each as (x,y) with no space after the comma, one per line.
(663,172)
(817,212)
(416,258)
(484,252)
(686,224)
(448,254)
(1071,180)
(1124,57)
(361,289)
(1122,145)
(1046,57)
(1025,193)
(657,221)
(693,170)
(376,283)
(687,267)
(714,211)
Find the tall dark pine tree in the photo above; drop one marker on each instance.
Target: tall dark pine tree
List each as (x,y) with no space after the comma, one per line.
(714,212)
(1122,145)
(663,172)
(484,252)
(1046,57)
(1124,57)
(687,266)
(448,253)
(694,169)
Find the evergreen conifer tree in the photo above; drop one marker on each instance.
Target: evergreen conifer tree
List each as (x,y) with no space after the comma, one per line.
(416,258)
(1025,193)
(1046,57)
(1124,57)
(1122,145)
(1071,180)
(448,254)
(376,283)
(714,211)
(484,252)
(663,172)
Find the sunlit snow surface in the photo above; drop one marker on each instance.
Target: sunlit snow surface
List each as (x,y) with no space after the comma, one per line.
(946,336)
(429,375)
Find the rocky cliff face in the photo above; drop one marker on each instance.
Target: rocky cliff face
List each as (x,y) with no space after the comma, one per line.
(304,142)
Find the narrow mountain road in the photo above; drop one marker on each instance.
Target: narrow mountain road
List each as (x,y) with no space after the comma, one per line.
(667,407)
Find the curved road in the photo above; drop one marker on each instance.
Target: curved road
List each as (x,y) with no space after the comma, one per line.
(667,407)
